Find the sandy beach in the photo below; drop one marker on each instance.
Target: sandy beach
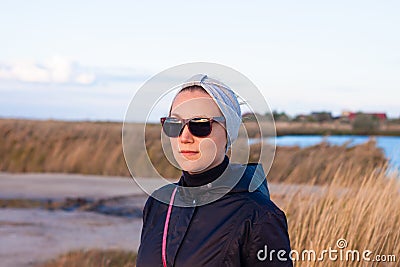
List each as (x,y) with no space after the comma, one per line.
(30,236)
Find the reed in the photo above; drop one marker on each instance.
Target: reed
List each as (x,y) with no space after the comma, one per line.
(363,210)
(96,148)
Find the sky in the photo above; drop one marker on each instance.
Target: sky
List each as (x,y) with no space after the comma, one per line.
(85,60)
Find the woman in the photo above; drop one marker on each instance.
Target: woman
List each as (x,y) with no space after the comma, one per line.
(215,215)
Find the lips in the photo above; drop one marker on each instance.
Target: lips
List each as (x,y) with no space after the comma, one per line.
(188,153)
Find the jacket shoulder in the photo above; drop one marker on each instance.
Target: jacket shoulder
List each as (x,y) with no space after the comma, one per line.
(261,206)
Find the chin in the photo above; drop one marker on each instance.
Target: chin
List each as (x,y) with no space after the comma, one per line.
(193,166)
(199,164)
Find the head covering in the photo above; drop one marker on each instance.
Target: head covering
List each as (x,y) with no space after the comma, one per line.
(225,99)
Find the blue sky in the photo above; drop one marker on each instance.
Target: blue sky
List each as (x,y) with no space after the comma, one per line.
(85,59)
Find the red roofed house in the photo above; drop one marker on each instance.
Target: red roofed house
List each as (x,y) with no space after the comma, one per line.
(381,116)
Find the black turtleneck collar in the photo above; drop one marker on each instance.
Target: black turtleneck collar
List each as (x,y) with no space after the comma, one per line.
(199,179)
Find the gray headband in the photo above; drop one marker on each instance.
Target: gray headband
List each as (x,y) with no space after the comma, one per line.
(225,99)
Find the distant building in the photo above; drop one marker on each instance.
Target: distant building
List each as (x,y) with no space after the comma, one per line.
(322,116)
(303,118)
(380,116)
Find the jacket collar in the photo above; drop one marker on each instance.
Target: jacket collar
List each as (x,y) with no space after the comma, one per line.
(235,179)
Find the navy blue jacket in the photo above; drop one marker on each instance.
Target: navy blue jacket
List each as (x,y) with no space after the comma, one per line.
(242,228)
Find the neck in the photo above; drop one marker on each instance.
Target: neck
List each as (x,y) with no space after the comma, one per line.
(203,178)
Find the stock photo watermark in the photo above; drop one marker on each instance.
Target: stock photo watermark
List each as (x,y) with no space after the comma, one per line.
(339,253)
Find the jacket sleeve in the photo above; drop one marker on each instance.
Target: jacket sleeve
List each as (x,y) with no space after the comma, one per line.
(268,243)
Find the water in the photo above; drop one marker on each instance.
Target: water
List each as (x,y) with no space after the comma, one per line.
(390,145)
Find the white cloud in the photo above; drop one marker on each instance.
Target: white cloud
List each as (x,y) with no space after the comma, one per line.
(24,71)
(60,69)
(57,69)
(85,78)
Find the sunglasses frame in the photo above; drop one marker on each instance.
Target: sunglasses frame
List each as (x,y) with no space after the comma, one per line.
(185,122)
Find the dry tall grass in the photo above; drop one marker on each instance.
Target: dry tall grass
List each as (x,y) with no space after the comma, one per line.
(55,146)
(318,164)
(359,205)
(96,148)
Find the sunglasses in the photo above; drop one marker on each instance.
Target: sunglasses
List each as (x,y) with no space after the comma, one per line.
(200,127)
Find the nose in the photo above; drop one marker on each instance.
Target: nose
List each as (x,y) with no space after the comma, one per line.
(186,136)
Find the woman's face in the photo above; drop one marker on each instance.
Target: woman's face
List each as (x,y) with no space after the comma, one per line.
(197,154)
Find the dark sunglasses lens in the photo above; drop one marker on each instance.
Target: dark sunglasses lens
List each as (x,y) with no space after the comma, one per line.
(200,127)
(172,128)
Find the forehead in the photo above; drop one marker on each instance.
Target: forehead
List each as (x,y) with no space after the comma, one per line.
(189,104)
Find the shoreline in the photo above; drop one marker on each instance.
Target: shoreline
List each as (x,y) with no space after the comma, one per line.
(282,127)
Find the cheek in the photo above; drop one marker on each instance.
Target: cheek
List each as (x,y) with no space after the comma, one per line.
(208,148)
(213,149)
(220,139)
(174,143)
(175,148)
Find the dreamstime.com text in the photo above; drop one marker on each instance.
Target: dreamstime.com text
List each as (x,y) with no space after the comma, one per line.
(340,253)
